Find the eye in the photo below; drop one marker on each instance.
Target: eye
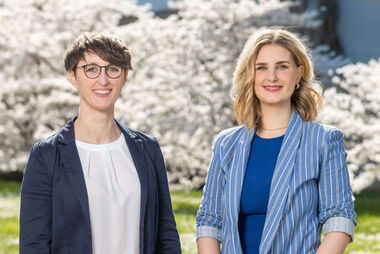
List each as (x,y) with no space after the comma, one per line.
(259,68)
(92,68)
(283,66)
(114,68)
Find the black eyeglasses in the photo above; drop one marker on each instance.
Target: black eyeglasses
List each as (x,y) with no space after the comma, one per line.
(92,71)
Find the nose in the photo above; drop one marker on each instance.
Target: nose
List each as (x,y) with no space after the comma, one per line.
(272,74)
(103,78)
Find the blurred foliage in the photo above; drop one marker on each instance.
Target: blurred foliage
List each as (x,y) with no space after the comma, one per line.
(9,187)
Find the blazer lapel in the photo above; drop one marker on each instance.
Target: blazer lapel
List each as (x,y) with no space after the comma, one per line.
(280,181)
(236,176)
(136,148)
(241,156)
(72,165)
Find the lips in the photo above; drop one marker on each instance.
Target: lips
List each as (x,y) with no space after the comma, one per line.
(272,88)
(102,91)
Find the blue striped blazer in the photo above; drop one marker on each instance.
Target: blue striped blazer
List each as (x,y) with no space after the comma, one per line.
(310,188)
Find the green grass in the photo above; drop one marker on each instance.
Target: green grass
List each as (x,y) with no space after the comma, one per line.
(9,188)
(9,210)
(185,205)
(367,232)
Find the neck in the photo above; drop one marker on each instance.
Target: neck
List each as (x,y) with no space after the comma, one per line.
(274,120)
(96,127)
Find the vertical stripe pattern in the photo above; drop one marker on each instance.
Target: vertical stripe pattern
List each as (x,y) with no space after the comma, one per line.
(310,187)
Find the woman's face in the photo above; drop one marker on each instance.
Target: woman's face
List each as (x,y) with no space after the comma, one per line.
(98,94)
(276,75)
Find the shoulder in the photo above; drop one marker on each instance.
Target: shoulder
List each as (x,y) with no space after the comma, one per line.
(43,155)
(324,133)
(230,133)
(328,130)
(227,138)
(64,135)
(149,142)
(233,131)
(146,138)
(47,145)
(135,134)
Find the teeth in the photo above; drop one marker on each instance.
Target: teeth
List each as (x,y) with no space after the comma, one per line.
(102,91)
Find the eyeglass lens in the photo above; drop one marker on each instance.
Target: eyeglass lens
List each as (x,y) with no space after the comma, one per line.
(94,70)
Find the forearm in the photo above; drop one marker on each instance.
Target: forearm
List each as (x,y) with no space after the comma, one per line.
(334,243)
(208,245)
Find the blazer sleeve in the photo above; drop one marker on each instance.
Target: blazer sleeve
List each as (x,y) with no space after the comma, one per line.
(336,203)
(167,238)
(210,215)
(35,211)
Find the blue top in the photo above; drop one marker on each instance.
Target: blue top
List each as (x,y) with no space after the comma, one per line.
(255,191)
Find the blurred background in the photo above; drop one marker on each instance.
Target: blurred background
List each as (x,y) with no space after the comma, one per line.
(183,55)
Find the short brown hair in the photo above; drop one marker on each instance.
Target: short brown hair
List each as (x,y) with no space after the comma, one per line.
(306,100)
(106,46)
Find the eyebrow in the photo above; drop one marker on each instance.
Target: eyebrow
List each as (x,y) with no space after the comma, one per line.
(98,64)
(87,63)
(280,62)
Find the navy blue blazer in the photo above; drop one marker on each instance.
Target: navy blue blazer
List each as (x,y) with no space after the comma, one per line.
(54,215)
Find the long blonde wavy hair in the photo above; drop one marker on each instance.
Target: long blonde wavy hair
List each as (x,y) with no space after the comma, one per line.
(306,100)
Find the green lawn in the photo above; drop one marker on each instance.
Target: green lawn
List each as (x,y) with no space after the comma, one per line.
(9,210)
(185,204)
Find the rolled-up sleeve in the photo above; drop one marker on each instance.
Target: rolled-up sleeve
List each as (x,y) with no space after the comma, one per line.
(210,215)
(340,224)
(336,203)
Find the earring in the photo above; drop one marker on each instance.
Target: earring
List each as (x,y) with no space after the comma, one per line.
(297,85)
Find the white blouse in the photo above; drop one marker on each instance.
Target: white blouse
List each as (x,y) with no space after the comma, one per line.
(113,188)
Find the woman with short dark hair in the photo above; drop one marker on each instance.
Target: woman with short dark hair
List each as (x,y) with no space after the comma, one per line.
(97,186)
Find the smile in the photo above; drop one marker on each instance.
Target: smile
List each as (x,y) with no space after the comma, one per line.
(106,91)
(272,88)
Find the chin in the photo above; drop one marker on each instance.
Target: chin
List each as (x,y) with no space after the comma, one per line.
(268,102)
(104,109)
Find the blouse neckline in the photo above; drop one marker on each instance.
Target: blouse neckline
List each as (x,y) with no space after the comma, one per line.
(269,139)
(118,142)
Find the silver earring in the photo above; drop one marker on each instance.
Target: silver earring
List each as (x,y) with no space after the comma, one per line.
(297,85)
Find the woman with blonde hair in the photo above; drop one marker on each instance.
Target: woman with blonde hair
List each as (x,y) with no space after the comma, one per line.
(278,178)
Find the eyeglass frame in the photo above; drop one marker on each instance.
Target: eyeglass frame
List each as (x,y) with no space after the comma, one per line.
(106,67)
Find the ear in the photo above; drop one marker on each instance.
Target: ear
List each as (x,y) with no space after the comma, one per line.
(72,79)
(125,77)
(300,73)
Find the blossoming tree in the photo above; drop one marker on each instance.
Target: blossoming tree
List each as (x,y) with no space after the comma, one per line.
(179,88)
(34,35)
(353,105)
